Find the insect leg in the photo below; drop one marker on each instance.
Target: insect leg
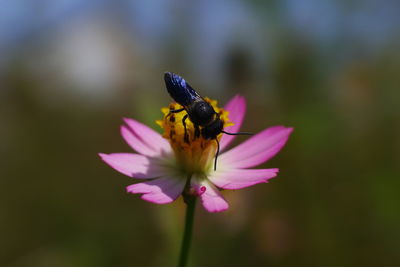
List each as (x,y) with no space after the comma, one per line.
(186,136)
(176,110)
(171,111)
(196,131)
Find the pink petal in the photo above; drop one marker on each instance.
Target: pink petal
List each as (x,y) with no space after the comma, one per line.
(241,178)
(160,191)
(135,143)
(210,196)
(257,149)
(237,109)
(144,139)
(196,188)
(134,165)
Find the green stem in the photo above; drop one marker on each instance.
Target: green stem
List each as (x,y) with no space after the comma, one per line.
(187,235)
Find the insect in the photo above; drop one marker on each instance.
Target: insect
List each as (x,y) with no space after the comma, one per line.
(206,121)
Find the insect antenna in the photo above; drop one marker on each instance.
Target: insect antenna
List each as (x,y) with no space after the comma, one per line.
(216,155)
(239,133)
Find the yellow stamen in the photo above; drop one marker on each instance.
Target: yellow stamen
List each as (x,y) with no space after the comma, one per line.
(194,154)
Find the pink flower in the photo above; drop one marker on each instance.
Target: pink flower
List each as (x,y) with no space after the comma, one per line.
(170,167)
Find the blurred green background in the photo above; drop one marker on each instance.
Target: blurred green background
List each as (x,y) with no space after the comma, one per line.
(69,70)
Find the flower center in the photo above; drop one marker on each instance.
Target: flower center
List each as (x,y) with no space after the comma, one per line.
(194,153)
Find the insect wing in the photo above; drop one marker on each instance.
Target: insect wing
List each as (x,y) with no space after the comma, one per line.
(180,90)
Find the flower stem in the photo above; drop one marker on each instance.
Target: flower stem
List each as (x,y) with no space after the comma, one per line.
(187,235)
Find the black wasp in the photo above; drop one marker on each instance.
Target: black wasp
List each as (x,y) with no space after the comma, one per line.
(206,121)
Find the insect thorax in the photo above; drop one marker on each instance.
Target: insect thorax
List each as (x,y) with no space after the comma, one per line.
(201,113)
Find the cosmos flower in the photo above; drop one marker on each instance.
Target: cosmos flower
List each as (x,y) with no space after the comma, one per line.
(172,166)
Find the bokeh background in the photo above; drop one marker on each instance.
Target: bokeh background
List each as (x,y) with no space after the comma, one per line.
(71,69)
